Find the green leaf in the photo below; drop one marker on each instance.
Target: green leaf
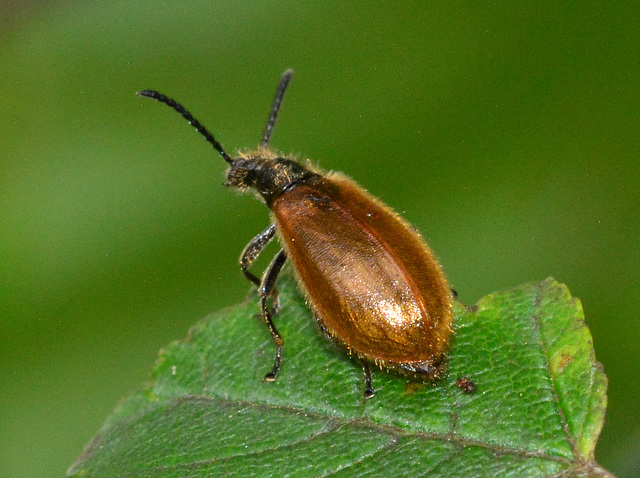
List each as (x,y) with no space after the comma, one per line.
(537,410)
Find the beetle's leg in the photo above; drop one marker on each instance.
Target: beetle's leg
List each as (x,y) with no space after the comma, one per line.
(251,252)
(266,289)
(369,391)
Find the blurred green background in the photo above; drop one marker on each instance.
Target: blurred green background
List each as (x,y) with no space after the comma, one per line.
(508,134)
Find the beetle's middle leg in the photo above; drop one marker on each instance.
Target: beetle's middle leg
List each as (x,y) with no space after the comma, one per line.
(266,289)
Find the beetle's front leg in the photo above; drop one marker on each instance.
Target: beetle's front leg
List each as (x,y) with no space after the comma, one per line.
(253,250)
(251,253)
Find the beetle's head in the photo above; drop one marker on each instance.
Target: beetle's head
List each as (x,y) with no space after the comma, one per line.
(268,174)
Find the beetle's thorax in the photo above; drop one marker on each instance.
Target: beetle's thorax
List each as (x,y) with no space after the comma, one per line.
(268,174)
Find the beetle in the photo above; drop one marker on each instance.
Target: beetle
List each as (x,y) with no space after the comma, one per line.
(368,276)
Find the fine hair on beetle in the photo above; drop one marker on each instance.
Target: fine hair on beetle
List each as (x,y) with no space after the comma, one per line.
(370,279)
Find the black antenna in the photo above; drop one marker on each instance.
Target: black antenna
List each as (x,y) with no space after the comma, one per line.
(275,108)
(189,117)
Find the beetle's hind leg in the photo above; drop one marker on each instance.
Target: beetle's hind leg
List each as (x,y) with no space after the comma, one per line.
(369,392)
(266,290)
(251,253)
